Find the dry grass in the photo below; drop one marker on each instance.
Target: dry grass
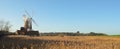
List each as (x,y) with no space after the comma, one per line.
(58,42)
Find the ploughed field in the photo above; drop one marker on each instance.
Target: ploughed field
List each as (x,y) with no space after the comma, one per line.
(59,42)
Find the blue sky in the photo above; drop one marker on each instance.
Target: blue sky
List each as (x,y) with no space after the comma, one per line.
(65,15)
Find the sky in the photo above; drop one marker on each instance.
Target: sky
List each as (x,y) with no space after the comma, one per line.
(102,16)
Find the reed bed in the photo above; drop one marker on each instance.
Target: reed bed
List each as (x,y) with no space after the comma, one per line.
(58,42)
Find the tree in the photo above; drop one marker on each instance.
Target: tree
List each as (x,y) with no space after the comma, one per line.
(5,26)
(78,32)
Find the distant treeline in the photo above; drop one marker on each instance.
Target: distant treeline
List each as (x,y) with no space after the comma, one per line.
(3,33)
(72,34)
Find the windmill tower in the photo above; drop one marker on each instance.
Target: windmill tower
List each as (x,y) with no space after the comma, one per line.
(27,23)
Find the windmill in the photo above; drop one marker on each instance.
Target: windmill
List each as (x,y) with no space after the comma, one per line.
(27,29)
(28,21)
